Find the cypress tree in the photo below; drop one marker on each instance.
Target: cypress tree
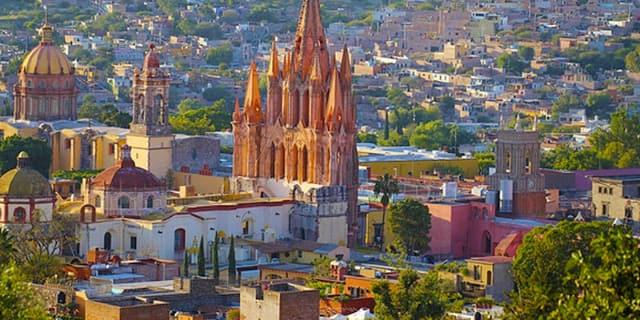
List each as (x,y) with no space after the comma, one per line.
(185,265)
(201,269)
(386,124)
(214,258)
(232,262)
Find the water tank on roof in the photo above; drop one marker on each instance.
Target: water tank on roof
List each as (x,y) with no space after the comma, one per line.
(491,197)
(506,196)
(450,190)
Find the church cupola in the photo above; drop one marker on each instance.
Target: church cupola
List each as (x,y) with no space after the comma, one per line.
(46,87)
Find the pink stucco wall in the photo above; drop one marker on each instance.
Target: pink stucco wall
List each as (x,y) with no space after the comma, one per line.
(459,230)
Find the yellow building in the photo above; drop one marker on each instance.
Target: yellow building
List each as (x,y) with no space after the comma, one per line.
(411,162)
(75,144)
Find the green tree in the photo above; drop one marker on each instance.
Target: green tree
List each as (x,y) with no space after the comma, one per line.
(486,160)
(220,54)
(398,98)
(446,105)
(17,299)
(38,150)
(7,247)
(606,279)
(365,137)
(411,222)
(526,53)
(231,270)
(632,60)
(564,157)
(214,257)
(541,263)
(510,63)
(432,136)
(201,267)
(185,264)
(195,120)
(412,298)
(599,104)
(385,187)
(564,103)
(215,94)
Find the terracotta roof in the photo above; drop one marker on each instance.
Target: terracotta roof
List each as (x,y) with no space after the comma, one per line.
(125,176)
(508,246)
(151,60)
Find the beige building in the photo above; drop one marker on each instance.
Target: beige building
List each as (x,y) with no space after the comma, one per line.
(281,301)
(490,276)
(616,197)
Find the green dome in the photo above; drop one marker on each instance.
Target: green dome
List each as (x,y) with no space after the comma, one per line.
(24,183)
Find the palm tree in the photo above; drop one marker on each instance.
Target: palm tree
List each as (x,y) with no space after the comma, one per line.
(385,187)
(7,248)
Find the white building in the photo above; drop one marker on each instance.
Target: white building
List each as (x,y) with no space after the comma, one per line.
(167,237)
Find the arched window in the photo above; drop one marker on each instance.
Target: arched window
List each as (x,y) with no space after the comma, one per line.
(158,110)
(294,164)
(123,202)
(306,114)
(486,241)
(281,162)
(107,241)
(179,237)
(19,215)
(150,202)
(98,202)
(527,165)
(247,227)
(304,165)
(508,162)
(272,161)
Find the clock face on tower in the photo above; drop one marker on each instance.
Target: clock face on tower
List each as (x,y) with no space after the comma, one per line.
(530,184)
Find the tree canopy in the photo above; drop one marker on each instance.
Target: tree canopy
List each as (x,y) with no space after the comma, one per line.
(37,149)
(411,222)
(540,266)
(413,297)
(194,119)
(615,147)
(511,63)
(606,278)
(220,54)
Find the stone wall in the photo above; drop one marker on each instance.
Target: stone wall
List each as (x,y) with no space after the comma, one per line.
(119,309)
(196,153)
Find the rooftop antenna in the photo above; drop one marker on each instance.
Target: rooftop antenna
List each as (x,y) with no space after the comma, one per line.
(46,12)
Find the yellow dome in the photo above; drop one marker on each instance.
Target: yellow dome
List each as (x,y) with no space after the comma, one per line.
(46,58)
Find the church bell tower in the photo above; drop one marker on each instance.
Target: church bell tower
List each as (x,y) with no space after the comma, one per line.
(150,138)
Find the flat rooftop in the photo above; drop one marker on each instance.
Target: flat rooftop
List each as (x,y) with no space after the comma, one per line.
(373,153)
(303,268)
(629,178)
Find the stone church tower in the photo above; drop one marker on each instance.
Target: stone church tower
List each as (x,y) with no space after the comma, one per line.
(305,136)
(517,180)
(150,138)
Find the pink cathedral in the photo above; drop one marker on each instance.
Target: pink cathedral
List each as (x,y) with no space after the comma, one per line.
(306,133)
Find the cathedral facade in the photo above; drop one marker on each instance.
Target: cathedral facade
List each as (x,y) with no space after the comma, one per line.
(302,144)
